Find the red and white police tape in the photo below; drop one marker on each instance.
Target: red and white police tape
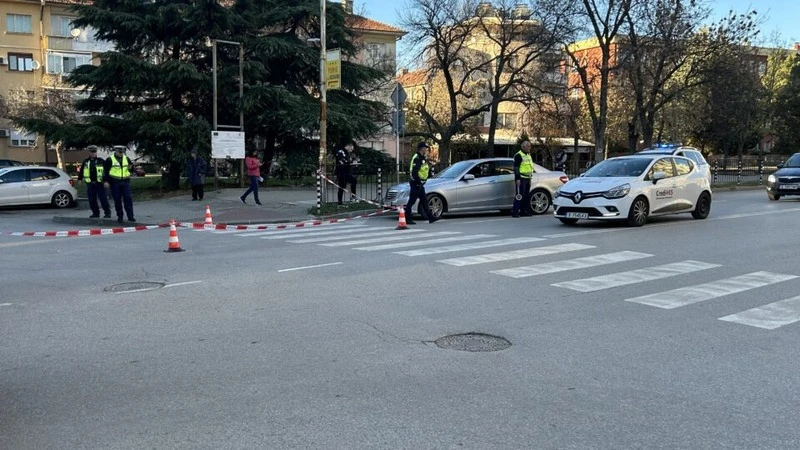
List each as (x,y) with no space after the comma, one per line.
(77,233)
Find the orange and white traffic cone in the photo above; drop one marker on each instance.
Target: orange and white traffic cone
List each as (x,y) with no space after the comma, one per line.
(208,223)
(401,220)
(174,245)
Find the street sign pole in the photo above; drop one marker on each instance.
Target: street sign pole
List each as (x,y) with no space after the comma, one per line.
(399,97)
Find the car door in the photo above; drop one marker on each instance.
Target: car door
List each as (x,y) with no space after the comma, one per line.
(505,188)
(479,192)
(661,195)
(41,185)
(14,187)
(687,184)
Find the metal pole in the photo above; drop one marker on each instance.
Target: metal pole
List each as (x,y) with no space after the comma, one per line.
(319,193)
(241,107)
(380,186)
(323,109)
(214,78)
(397,127)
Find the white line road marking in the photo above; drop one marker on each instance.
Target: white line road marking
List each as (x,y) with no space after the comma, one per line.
(182,284)
(310,267)
(349,236)
(755,214)
(701,292)
(295,231)
(514,254)
(484,221)
(21,243)
(5,304)
(469,246)
(420,243)
(571,264)
(770,317)
(635,276)
(389,239)
(585,232)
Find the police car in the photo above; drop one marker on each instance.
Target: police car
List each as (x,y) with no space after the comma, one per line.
(633,188)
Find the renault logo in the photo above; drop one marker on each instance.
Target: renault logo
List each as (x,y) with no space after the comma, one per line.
(578,196)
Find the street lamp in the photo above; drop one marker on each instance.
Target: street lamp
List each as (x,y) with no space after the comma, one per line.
(240,127)
(323,95)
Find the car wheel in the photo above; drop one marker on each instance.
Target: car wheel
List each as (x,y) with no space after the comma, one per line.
(703,206)
(538,202)
(637,216)
(62,199)
(773,197)
(568,221)
(436,204)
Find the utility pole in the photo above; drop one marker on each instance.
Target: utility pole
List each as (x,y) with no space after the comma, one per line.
(323,104)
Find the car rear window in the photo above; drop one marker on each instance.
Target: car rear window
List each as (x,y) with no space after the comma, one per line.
(43,174)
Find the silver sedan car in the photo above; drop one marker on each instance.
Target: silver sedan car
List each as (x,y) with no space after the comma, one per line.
(482,185)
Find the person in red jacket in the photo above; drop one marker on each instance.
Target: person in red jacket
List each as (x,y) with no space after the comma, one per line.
(254,172)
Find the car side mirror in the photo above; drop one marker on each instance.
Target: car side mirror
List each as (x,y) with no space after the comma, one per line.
(780,166)
(659,176)
(468,177)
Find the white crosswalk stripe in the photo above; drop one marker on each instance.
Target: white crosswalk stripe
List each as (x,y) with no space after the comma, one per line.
(571,264)
(421,243)
(693,294)
(771,316)
(301,232)
(514,254)
(388,232)
(635,276)
(469,246)
(400,237)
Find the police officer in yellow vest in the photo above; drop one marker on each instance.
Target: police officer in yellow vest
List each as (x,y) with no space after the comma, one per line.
(523,172)
(418,172)
(91,173)
(118,178)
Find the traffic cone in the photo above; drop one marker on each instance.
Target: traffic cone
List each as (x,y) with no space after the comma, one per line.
(208,223)
(174,245)
(401,220)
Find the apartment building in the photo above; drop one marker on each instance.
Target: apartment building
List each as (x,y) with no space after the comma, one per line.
(39,48)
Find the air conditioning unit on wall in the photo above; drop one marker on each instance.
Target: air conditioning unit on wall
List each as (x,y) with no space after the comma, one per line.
(5,133)
(3,61)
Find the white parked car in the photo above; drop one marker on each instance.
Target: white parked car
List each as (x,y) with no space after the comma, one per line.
(31,185)
(633,188)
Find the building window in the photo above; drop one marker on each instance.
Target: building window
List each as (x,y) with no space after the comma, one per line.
(18,23)
(506,121)
(21,139)
(61,26)
(20,62)
(375,54)
(66,62)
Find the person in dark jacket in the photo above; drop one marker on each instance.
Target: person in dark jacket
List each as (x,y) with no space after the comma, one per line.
(91,173)
(117,176)
(196,174)
(418,173)
(344,173)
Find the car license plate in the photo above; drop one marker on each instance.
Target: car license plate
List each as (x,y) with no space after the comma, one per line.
(577,215)
(789,186)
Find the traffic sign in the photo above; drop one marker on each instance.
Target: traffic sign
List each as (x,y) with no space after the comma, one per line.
(399,94)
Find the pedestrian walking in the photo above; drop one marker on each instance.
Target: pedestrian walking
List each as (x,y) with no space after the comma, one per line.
(91,173)
(523,172)
(254,173)
(117,175)
(344,172)
(196,173)
(560,162)
(418,173)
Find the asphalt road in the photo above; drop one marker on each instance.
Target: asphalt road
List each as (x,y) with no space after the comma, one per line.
(325,337)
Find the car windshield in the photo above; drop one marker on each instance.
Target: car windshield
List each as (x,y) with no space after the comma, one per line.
(794,161)
(622,167)
(455,170)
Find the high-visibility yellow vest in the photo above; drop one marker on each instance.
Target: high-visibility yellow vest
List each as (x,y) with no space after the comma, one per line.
(87,175)
(526,167)
(120,170)
(424,169)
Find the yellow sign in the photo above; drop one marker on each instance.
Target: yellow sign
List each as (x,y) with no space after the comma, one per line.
(333,69)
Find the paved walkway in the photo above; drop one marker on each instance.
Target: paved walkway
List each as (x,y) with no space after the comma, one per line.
(278,205)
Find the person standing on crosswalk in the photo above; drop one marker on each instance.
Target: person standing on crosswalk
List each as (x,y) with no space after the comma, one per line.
(418,172)
(523,172)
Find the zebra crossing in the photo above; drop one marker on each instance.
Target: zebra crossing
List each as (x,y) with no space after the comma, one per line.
(483,250)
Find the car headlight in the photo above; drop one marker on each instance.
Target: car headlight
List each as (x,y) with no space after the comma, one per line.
(618,191)
(771,179)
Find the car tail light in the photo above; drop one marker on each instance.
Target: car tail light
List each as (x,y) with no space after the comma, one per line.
(564,179)
(72,182)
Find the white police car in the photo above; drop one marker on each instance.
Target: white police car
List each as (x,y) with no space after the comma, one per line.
(633,188)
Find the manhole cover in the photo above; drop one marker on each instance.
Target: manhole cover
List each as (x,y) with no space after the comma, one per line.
(473,342)
(138,286)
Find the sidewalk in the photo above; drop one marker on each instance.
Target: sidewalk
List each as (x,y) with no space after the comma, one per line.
(278,205)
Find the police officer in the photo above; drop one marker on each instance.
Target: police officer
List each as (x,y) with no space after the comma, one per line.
(118,177)
(91,173)
(418,172)
(344,174)
(523,171)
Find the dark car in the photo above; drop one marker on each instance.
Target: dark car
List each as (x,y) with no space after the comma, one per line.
(11,163)
(786,181)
